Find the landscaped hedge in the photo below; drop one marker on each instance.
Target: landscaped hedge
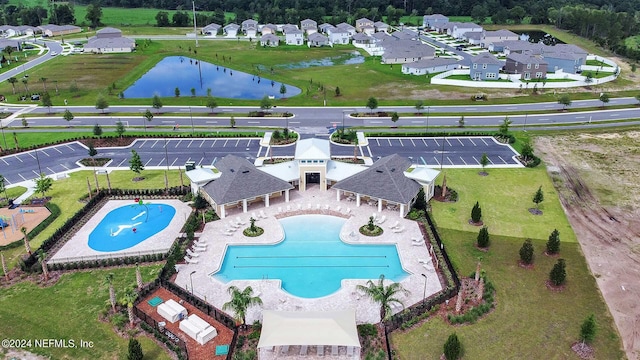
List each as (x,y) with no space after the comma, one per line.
(430,134)
(472,315)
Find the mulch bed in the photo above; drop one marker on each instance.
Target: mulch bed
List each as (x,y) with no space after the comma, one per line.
(583,351)
(554,288)
(479,223)
(525,266)
(535,211)
(108,141)
(483,173)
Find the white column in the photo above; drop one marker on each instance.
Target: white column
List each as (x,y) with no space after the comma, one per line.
(337,195)
(401,210)
(244,205)
(222,212)
(379,205)
(358,200)
(286,195)
(266,200)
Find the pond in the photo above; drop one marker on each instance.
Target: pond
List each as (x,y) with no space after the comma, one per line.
(187,74)
(536,36)
(351,58)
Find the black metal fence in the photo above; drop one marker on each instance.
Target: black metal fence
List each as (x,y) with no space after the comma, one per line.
(172,340)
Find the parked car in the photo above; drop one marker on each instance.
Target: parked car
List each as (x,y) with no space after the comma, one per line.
(35,97)
(53,53)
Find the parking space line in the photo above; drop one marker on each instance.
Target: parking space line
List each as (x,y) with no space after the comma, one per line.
(147,163)
(447,140)
(64,166)
(17,157)
(142,144)
(30,154)
(35,172)
(214,142)
(259,151)
(474,144)
(53,172)
(460,141)
(389,140)
(491,161)
(154,144)
(201,144)
(23,178)
(237,142)
(190,142)
(67,145)
(123,160)
(214,160)
(436,141)
(450,160)
(56,149)
(44,152)
(484,141)
(378,141)
(200,162)
(3,160)
(369,150)
(474,158)
(436,159)
(425,143)
(463,160)
(401,144)
(179,141)
(174,161)
(414,144)
(189,159)
(249,143)
(160,163)
(423,160)
(225,143)
(500,157)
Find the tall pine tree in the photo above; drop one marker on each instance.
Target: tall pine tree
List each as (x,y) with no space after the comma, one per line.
(553,244)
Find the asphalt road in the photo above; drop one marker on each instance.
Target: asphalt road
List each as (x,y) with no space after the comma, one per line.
(23,69)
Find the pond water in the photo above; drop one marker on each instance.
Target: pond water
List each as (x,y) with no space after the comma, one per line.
(186,74)
(536,36)
(351,58)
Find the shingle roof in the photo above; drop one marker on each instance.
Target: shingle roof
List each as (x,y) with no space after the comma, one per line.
(435,16)
(500,33)
(427,63)
(269,38)
(385,179)
(110,43)
(526,58)
(317,37)
(485,58)
(240,180)
(313,149)
(473,35)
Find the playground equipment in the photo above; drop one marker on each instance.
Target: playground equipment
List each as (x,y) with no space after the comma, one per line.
(12,222)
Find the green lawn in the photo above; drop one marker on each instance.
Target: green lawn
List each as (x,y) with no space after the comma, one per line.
(529,322)
(66,194)
(597,63)
(505,196)
(69,310)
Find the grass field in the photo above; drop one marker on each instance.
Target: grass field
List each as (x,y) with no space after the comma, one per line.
(529,322)
(69,310)
(505,196)
(66,194)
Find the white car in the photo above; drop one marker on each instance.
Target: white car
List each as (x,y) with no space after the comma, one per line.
(53,53)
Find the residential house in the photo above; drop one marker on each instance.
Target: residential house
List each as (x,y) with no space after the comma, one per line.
(269,40)
(287,27)
(405,51)
(485,67)
(250,28)
(459,29)
(27,30)
(566,57)
(489,37)
(433,21)
(211,29)
(362,40)
(445,28)
(519,46)
(15,44)
(326,28)
(381,27)
(268,29)
(528,65)
(309,26)
(231,30)
(360,23)
(339,36)
(293,36)
(58,30)
(7,31)
(472,38)
(430,66)
(317,40)
(368,29)
(349,28)
(109,40)
(405,34)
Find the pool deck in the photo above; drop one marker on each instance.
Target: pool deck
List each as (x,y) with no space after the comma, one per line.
(415,259)
(77,248)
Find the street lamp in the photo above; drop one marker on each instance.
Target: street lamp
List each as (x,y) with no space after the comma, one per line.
(428,111)
(166,160)
(3,137)
(524,127)
(38,161)
(424,293)
(444,138)
(191,278)
(191,116)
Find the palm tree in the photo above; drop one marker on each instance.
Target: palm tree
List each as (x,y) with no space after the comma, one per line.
(24,82)
(240,302)
(13,81)
(4,267)
(44,83)
(27,247)
(42,256)
(384,295)
(128,299)
(139,277)
(112,292)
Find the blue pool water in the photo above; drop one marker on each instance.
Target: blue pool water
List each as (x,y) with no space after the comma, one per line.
(311,260)
(115,231)
(185,74)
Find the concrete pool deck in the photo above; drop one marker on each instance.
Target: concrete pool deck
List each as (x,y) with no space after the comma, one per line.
(273,297)
(77,248)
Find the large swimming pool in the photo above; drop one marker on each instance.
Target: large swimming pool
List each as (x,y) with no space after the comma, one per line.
(116,232)
(312,260)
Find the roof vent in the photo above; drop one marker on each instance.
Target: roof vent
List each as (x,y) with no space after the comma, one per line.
(245,172)
(379,171)
(231,170)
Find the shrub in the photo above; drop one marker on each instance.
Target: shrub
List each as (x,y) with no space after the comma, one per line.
(526,252)
(588,330)
(366,330)
(476,213)
(452,347)
(199,202)
(558,274)
(483,237)
(135,350)
(553,244)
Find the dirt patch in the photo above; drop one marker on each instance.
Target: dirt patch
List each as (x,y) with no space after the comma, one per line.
(535,211)
(600,195)
(583,351)
(22,355)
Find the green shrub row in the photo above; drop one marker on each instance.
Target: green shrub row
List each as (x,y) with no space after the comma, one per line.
(472,315)
(165,340)
(129,260)
(409,323)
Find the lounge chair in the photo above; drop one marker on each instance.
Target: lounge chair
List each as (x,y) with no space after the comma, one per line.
(199,249)
(228,233)
(375,216)
(348,211)
(413,243)
(285,349)
(423,261)
(381,219)
(234,226)
(320,351)
(338,208)
(288,207)
(264,216)
(349,350)
(279,209)
(192,254)
(399,229)
(318,206)
(190,260)
(394,225)
(303,350)
(326,207)
(334,350)
(253,215)
(309,206)
(239,221)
